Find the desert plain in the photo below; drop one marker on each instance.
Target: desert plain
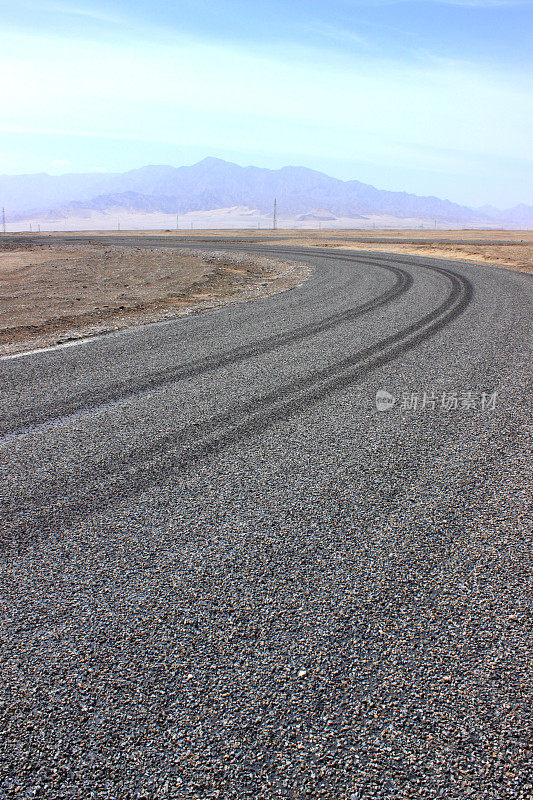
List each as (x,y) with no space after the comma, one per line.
(59,288)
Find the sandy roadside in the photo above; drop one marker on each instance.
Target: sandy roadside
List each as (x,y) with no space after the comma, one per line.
(515,257)
(50,294)
(510,249)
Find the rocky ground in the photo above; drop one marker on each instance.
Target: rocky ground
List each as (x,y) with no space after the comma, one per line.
(51,294)
(227,575)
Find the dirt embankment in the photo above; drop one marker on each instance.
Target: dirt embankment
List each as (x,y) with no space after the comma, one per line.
(51,294)
(516,257)
(509,249)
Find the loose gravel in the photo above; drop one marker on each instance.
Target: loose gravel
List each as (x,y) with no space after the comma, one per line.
(338,606)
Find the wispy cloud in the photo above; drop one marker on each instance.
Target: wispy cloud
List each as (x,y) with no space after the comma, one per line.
(90,12)
(360,90)
(93,12)
(335,33)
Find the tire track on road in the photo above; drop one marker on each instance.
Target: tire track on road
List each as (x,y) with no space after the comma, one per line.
(121,390)
(145,467)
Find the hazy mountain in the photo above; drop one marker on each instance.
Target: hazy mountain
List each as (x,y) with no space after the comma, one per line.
(213,183)
(40,192)
(521,214)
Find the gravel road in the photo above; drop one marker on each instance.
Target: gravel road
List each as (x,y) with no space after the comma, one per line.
(227,574)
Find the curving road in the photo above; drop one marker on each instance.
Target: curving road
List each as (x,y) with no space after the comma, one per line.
(227,573)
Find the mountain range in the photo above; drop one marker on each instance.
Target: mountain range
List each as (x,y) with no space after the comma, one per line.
(214,183)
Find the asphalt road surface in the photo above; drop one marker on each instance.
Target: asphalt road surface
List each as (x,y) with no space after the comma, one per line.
(227,574)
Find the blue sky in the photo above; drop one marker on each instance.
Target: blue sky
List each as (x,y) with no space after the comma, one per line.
(429,97)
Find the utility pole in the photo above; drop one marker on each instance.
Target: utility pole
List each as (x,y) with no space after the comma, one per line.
(177,222)
(275,219)
(118,225)
(3,220)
